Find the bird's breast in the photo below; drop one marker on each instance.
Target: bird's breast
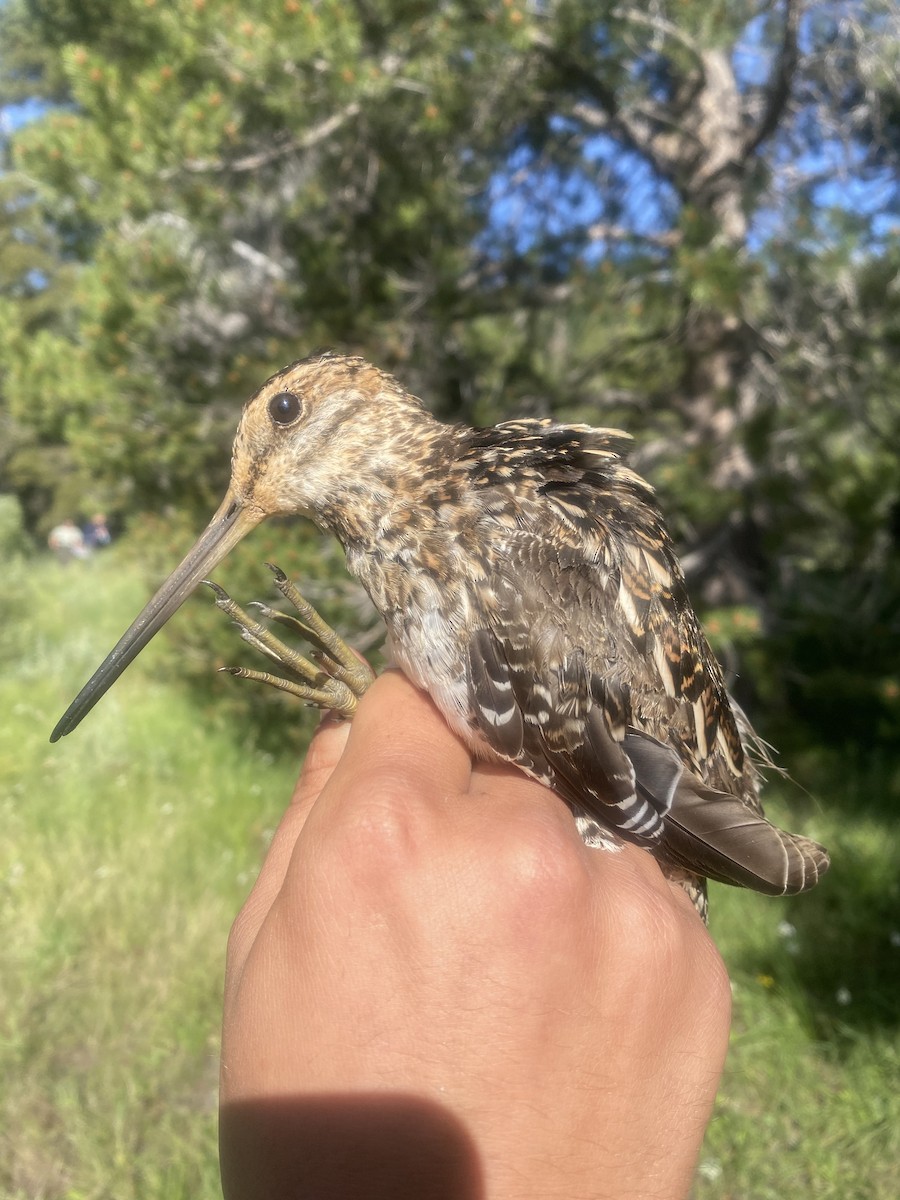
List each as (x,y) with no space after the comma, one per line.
(428,617)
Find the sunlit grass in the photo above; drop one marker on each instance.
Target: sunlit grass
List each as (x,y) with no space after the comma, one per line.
(128,847)
(810,1103)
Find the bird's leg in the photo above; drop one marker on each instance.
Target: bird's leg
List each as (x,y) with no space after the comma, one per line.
(333,678)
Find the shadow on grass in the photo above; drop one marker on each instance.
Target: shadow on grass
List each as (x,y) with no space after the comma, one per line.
(849,941)
(851,969)
(332,1147)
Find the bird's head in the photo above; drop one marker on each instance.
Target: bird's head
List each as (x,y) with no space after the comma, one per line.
(319,432)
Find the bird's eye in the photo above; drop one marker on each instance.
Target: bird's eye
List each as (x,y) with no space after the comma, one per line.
(284,408)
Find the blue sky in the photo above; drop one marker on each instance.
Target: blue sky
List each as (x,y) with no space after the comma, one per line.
(13,116)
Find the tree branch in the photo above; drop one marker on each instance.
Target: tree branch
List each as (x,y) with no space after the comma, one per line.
(658,133)
(778,86)
(660,25)
(602,232)
(252,162)
(606,112)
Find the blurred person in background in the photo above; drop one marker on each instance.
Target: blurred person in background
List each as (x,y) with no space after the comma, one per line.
(67,542)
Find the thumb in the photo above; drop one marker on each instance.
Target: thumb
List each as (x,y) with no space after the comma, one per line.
(322,756)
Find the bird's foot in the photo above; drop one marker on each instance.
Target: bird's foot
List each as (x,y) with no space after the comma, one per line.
(334,677)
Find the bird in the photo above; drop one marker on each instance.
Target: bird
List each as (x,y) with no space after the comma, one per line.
(529,585)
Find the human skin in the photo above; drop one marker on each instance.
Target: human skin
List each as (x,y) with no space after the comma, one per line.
(435,990)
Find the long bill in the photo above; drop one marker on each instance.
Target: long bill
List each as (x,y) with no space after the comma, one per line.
(231,522)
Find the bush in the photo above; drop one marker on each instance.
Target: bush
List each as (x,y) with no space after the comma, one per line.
(14,541)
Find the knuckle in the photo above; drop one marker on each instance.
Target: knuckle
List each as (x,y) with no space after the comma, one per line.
(651,929)
(378,829)
(242,932)
(711,976)
(543,869)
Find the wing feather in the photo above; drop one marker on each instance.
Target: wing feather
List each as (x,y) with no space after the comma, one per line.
(590,669)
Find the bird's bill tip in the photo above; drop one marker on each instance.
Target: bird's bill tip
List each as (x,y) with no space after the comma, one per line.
(231,522)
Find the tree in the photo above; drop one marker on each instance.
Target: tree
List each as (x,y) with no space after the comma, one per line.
(671,217)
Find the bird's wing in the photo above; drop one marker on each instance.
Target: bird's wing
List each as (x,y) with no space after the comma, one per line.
(590,671)
(588,543)
(571,729)
(537,704)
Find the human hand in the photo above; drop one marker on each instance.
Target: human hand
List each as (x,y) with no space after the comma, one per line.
(436,991)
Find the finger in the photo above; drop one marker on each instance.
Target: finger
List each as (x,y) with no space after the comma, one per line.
(508,795)
(322,756)
(324,753)
(397,740)
(507,791)
(400,742)
(509,785)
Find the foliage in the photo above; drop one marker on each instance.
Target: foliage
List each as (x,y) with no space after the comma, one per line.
(453,191)
(125,857)
(601,212)
(675,219)
(14,542)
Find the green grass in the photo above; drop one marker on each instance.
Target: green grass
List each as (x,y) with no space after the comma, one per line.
(810,1103)
(128,847)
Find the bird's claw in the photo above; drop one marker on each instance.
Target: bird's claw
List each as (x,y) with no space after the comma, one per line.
(334,678)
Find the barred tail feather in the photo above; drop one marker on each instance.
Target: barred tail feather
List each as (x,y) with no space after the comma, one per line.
(715,834)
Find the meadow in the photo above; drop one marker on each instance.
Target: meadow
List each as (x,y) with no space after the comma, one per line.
(128,847)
